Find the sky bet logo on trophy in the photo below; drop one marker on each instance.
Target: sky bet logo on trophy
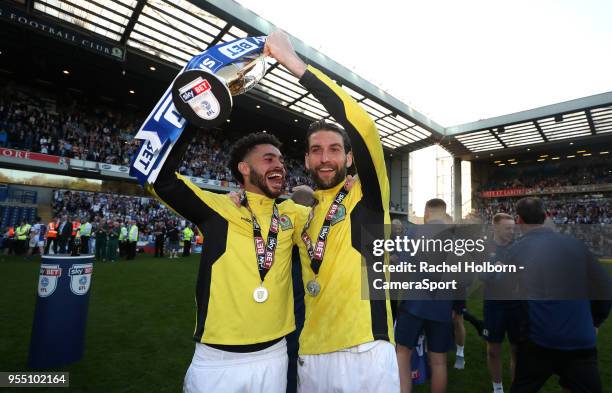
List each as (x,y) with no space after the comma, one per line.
(200,95)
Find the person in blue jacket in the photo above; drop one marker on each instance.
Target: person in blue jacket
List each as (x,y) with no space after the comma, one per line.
(568,296)
(431,317)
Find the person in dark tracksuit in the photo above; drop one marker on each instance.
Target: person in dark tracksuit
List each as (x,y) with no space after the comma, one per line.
(160,238)
(101,238)
(114,231)
(568,296)
(433,318)
(501,313)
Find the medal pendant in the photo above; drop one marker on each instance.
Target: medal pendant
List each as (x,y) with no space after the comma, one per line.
(313,287)
(260,294)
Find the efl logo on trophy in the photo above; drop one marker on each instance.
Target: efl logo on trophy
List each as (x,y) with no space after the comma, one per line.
(203,96)
(47,281)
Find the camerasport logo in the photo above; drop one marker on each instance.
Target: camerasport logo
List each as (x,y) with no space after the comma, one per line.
(80,278)
(47,280)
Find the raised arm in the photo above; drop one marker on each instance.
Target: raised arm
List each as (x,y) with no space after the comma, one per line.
(367,148)
(177,191)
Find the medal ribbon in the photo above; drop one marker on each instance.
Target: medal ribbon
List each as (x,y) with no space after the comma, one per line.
(264,252)
(317,251)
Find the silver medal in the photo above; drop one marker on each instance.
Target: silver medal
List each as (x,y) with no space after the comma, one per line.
(260,294)
(313,287)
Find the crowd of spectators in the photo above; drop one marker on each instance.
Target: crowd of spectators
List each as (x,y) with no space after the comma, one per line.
(37,125)
(568,209)
(102,135)
(94,206)
(595,171)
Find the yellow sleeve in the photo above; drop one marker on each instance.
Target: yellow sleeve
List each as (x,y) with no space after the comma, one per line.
(367,148)
(180,194)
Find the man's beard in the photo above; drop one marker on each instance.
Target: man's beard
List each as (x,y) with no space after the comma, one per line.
(259,181)
(331,183)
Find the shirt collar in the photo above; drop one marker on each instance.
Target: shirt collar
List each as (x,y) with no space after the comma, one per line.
(326,196)
(537,231)
(259,201)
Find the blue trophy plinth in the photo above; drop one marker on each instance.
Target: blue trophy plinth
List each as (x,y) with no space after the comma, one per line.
(60,317)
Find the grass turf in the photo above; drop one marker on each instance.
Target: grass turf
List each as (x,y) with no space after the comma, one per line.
(141,318)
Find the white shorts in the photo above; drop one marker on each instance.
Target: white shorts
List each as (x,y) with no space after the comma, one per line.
(33,243)
(213,370)
(41,243)
(367,368)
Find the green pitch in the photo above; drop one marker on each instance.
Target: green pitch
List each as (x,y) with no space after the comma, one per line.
(141,319)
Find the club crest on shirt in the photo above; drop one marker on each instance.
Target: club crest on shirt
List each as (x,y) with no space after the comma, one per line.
(285,222)
(339,216)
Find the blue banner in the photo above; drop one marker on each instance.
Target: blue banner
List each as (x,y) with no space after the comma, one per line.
(165,124)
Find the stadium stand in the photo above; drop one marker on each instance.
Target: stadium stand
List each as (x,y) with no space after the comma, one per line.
(593,171)
(98,134)
(573,192)
(16,204)
(88,205)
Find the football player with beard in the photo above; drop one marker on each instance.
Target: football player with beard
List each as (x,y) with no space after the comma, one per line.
(244,292)
(347,343)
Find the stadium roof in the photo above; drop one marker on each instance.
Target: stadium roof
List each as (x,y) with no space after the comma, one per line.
(172,31)
(176,30)
(585,119)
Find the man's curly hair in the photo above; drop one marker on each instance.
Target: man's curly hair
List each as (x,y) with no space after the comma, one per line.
(244,145)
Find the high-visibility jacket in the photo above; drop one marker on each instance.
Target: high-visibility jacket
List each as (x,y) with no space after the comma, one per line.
(76,226)
(123,234)
(187,234)
(86,229)
(133,237)
(22,231)
(11,232)
(52,232)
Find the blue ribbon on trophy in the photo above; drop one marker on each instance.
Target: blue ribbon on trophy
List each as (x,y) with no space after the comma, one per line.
(200,95)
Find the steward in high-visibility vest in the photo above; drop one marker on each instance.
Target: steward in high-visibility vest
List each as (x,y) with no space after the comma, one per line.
(52,237)
(22,237)
(75,237)
(52,232)
(133,236)
(76,226)
(85,232)
(187,235)
(10,242)
(22,231)
(132,240)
